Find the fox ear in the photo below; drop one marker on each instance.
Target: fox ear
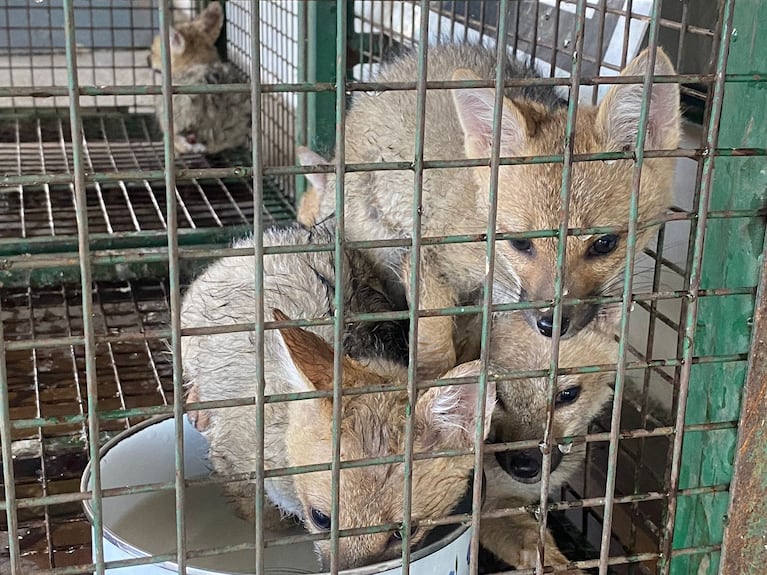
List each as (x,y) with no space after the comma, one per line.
(309,358)
(475,112)
(618,114)
(177,42)
(447,416)
(210,21)
(307,157)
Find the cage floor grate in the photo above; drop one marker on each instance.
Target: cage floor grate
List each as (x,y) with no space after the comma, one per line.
(40,143)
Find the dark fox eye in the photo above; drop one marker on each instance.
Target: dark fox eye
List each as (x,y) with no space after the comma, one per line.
(603,245)
(567,396)
(525,246)
(397,535)
(321,520)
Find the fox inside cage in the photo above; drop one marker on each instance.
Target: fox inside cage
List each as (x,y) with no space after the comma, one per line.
(428,287)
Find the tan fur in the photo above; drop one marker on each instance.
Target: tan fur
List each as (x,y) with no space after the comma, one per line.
(207,122)
(198,38)
(297,433)
(381,127)
(520,415)
(308,207)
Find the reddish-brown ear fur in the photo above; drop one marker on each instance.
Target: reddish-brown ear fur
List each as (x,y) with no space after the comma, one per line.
(313,356)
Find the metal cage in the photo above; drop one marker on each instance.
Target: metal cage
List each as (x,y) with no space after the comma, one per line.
(103,226)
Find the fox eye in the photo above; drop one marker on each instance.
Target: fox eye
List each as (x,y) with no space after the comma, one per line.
(524,245)
(397,535)
(320,520)
(567,396)
(603,245)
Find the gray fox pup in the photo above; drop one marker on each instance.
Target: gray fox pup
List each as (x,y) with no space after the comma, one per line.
(203,123)
(380,126)
(513,477)
(299,432)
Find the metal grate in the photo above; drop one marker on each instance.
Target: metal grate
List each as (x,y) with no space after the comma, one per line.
(43,210)
(50,383)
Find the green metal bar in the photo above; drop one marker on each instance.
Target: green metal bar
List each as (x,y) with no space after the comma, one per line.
(258,280)
(628,278)
(150,239)
(174,280)
(75,497)
(329,85)
(323,39)
(302,138)
(623,560)
(565,190)
(338,259)
(414,283)
(501,56)
(81,208)
(246,172)
(148,335)
(53,421)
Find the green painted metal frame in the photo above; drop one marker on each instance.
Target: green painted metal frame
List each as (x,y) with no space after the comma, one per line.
(733,253)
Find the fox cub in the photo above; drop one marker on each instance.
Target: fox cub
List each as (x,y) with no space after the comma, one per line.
(299,432)
(380,126)
(513,477)
(203,123)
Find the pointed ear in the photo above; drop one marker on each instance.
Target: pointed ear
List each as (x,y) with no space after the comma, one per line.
(177,42)
(475,112)
(307,157)
(310,358)
(210,20)
(447,416)
(618,115)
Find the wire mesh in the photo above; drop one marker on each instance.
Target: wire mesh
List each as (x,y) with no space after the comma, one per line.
(623,503)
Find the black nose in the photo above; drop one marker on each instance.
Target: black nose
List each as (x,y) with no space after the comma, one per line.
(545,325)
(525,466)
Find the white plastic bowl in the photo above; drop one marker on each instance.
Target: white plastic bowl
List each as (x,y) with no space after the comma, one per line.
(144,524)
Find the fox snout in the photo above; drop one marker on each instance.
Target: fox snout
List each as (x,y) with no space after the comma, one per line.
(525,466)
(574,319)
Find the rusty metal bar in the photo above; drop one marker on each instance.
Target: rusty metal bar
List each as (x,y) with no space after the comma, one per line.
(564,213)
(612,456)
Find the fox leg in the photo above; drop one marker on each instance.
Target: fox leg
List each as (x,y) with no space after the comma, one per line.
(436,349)
(514,540)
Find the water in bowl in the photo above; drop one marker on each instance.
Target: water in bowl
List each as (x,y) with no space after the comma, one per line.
(149,524)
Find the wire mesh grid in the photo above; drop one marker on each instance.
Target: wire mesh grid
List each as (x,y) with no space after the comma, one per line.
(641,451)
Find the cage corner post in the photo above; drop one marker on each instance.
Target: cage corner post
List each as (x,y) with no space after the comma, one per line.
(316,123)
(732,257)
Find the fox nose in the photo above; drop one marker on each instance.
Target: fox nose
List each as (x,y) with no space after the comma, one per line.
(525,466)
(545,324)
